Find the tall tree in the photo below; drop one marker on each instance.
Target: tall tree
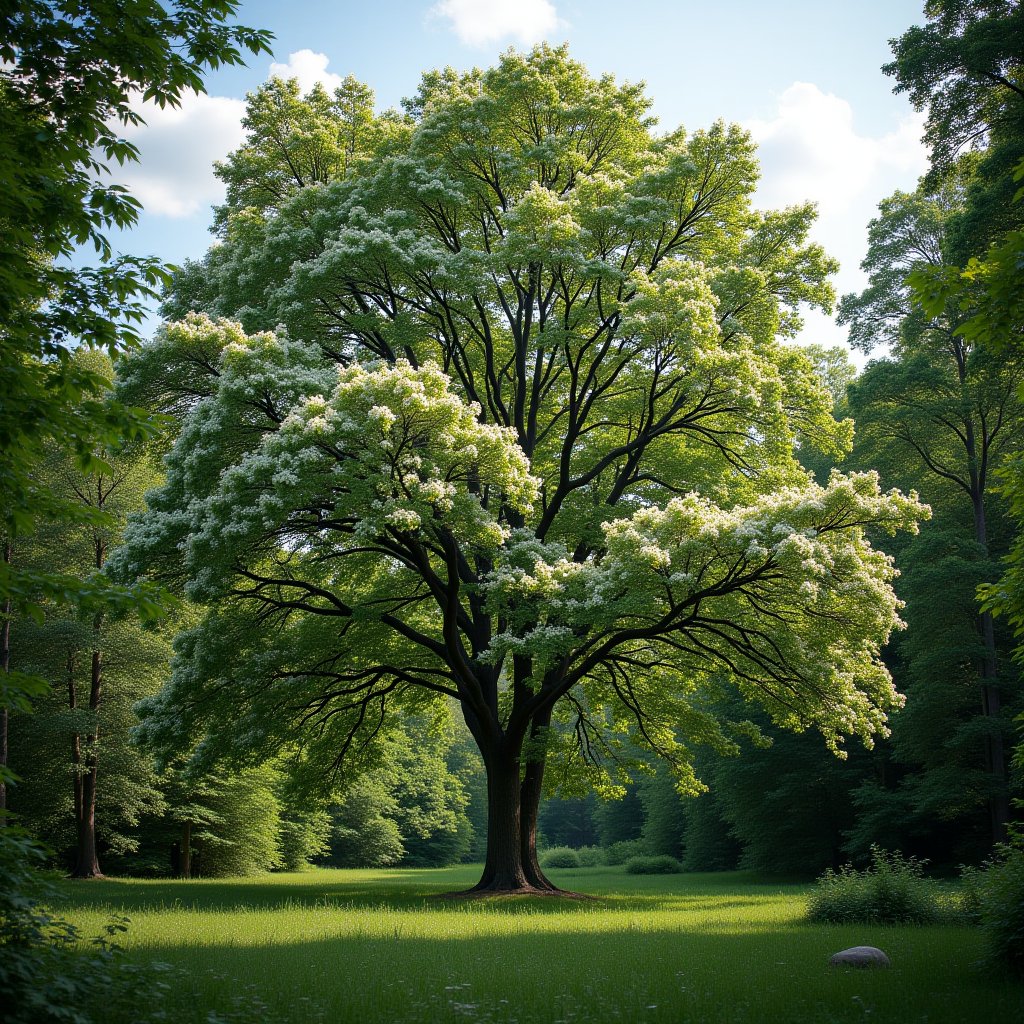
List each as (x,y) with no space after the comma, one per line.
(965,68)
(97,665)
(940,412)
(68,75)
(533,454)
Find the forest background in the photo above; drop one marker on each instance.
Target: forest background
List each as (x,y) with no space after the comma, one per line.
(937,411)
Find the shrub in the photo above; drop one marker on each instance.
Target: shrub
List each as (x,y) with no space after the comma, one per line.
(591,856)
(620,852)
(45,975)
(560,857)
(1000,888)
(892,890)
(660,865)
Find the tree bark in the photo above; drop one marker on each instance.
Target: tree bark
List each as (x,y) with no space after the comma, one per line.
(186,849)
(530,792)
(511,867)
(87,863)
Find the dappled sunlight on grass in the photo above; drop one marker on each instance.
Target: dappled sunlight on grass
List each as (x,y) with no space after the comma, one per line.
(370,946)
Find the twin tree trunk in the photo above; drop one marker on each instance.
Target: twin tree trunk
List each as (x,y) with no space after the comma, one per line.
(514,788)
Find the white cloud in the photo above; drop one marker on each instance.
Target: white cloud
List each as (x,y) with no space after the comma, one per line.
(177,147)
(309,68)
(811,150)
(481,22)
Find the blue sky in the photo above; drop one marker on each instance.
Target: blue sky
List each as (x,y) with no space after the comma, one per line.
(804,77)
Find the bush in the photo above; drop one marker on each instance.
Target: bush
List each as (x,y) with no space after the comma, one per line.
(620,852)
(891,891)
(45,975)
(1000,891)
(660,865)
(591,856)
(560,857)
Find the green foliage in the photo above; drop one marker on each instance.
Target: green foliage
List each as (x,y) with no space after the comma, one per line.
(625,849)
(409,807)
(45,975)
(365,831)
(892,890)
(619,820)
(1000,889)
(304,836)
(664,814)
(68,78)
(560,857)
(964,68)
(656,865)
(568,821)
(74,750)
(708,842)
(241,831)
(591,856)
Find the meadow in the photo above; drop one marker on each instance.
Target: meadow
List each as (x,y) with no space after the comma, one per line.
(378,946)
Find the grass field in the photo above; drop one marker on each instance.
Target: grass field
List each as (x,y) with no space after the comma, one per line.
(373,946)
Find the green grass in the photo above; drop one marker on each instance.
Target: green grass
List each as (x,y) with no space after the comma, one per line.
(372,946)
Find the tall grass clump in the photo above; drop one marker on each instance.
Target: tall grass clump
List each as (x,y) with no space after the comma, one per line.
(892,890)
(660,865)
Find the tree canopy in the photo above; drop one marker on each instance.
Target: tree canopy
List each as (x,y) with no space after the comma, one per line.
(524,441)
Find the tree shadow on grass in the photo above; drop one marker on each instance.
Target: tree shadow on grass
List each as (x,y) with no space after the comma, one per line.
(407,889)
(658,975)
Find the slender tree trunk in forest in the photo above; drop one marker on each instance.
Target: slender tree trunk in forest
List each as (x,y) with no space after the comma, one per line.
(991,700)
(87,861)
(186,849)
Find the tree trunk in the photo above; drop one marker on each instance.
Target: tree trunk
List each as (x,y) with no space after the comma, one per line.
(186,849)
(530,793)
(991,700)
(87,863)
(86,860)
(511,867)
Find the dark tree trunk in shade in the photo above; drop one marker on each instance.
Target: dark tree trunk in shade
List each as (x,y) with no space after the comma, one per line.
(86,755)
(991,699)
(186,850)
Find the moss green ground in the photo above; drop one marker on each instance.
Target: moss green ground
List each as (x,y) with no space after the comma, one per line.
(374,946)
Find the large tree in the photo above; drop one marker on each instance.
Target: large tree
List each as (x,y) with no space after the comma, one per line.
(942,413)
(525,444)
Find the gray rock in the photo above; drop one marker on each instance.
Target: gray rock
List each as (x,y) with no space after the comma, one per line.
(859,956)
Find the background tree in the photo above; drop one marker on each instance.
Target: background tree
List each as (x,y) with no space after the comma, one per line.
(96,665)
(940,414)
(534,454)
(68,74)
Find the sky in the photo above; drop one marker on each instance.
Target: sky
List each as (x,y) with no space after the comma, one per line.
(803,76)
